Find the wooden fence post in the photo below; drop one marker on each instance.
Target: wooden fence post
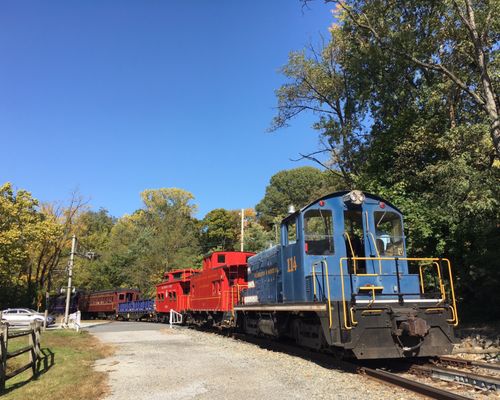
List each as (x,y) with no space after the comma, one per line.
(34,326)
(3,354)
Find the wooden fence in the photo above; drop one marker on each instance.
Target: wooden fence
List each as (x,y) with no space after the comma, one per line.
(33,348)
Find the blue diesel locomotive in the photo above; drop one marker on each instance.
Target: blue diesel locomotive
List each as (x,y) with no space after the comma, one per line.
(341,281)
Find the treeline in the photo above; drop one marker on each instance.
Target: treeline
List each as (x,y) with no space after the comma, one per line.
(134,250)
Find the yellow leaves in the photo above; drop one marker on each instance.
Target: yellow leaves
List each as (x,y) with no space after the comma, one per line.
(156,199)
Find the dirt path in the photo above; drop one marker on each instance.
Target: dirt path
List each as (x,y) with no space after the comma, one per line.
(153,361)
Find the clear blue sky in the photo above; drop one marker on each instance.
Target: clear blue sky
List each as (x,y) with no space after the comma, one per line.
(114,97)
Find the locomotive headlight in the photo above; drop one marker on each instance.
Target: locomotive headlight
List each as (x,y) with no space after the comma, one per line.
(355,197)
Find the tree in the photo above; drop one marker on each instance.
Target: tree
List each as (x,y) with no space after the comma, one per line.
(295,187)
(33,238)
(21,226)
(220,230)
(317,83)
(94,234)
(256,237)
(160,236)
(456,39)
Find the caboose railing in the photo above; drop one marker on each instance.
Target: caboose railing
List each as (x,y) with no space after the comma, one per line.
(236,290)
(349,322)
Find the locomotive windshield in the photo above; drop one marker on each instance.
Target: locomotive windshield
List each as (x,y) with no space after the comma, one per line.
(389,231)
(318,232)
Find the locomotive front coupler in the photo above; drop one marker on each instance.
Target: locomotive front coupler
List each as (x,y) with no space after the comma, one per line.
(407,327)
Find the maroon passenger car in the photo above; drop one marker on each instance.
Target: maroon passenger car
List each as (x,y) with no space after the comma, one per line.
(104,304)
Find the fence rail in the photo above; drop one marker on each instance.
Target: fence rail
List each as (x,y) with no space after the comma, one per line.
(33,347)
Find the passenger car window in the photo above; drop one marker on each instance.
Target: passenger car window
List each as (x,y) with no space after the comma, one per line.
(318,232)
(389,233)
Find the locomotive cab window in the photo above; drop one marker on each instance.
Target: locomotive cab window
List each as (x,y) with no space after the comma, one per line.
(291,229)
(221,258)
(354,238)
(318,232)
(389,232)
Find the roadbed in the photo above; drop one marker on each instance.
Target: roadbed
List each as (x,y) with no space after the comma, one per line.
(153,361)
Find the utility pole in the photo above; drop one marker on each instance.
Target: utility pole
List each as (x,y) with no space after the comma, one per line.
(242,228)
(70,275)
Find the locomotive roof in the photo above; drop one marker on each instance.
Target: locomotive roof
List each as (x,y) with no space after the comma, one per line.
(339,194)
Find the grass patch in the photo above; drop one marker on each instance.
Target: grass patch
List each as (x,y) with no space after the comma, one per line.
(67,371)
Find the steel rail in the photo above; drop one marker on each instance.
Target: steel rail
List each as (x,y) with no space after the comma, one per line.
(459,362)
(417,387)
(482,382)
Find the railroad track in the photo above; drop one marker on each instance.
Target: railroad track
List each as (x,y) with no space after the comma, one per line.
(412,385)
(482,382)
(327,360)
(459,362)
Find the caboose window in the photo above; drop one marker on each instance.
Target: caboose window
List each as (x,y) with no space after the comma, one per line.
(318,232)
(221,258)
(389,232)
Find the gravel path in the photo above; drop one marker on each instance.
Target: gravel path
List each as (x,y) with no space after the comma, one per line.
(153,361)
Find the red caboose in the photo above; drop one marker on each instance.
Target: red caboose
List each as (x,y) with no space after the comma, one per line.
(173,292)
(217,288)
(104,304)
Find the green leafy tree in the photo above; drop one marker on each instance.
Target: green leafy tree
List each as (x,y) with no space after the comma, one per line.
(317,83)
(94,235)
(33,242)
(220,230)
(455,41)
(295,187)
(256,237)
(160,236)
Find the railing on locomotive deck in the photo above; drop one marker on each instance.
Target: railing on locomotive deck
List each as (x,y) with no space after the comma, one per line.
(427,261)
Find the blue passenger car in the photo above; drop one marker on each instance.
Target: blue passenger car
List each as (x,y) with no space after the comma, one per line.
(340,278)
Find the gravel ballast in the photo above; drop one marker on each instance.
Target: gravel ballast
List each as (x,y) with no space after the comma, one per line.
(153,361)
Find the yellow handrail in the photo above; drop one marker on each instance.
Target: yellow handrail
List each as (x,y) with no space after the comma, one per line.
(314,279)
(354,322)
(352,249)
(372,289)
(453,306)
(330,320)
(454,319)
(441,285)
(376,252)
